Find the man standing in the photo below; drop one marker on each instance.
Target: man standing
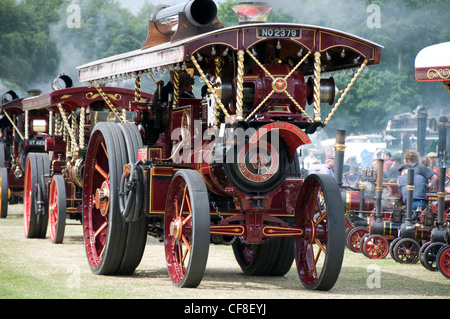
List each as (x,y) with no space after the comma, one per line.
(411,157)
(420,188)
(330,165)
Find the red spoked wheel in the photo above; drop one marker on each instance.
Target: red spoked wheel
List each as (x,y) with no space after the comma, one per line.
(354,236)
(111,248)
(406,251)
(57,209)
(376,247)
(3,192)
(35,212)
(443,261)
(320,250)
(187,229)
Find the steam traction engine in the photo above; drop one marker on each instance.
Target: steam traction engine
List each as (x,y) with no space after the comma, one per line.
(191,170)
(54,176)
(20,134)
(433,64)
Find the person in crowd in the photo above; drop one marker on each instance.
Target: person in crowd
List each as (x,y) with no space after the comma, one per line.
(433,159)
(186,83)
(310,160)
(394,173)
(411,157)
(420,188)
(425,160)
(352,177)
(329,163)
(387,162)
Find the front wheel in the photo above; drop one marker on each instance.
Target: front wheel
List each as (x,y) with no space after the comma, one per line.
(3,192)
(406,251)
(443,261)
(376,247)
(320,250)
(353,238)
(57,209)
(428,255)
(187,229)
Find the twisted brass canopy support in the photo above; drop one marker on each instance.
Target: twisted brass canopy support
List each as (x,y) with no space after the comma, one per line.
(108,101)
(211,89)
(341,98)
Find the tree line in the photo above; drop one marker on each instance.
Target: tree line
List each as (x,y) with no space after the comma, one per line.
(41,38)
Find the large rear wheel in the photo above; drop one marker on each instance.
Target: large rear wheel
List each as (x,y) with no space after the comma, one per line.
(35,212)
(320,250)
(113,246)
(187,229)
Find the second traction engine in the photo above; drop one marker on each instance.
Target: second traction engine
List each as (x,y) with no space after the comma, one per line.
(220,166)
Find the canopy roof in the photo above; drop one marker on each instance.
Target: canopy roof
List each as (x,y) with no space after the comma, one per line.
(75,97)
(339,50)
(433,63)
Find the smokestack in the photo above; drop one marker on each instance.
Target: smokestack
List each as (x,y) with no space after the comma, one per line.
(421,130)
(339,151)
(252,12)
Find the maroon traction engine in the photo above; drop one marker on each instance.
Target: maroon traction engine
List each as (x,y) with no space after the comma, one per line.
(21,133)
(54,174)
(218,168)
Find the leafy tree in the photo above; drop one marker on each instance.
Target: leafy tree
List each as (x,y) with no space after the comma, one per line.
(37,42)
(27,52)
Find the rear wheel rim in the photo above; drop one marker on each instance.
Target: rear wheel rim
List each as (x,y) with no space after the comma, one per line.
(320,213)
(57,209)
(186,234)
(104,232)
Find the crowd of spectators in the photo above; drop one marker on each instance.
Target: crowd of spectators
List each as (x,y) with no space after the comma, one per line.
(394,167)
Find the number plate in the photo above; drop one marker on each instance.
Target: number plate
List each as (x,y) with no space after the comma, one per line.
(278,33)
(36,142)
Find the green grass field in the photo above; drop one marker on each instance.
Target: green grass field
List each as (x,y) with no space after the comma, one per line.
(36,268)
